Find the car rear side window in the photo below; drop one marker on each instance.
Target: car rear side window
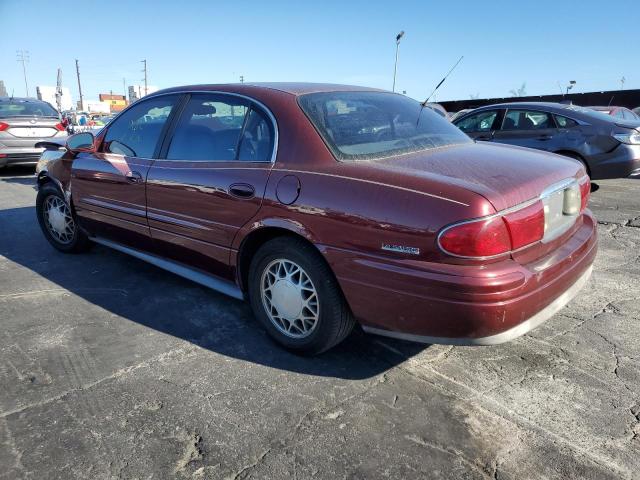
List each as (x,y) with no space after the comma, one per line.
(136,132)
(479,122)
(369,125)
(209,128)
(564,122)
(256,144)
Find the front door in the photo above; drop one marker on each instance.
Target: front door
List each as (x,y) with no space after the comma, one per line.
(108,186)
(210,179)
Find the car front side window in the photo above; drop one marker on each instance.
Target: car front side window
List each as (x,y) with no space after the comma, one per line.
(137,131)
(480,122)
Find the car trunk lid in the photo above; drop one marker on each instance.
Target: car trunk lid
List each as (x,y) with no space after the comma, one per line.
(505,175)
(31,127)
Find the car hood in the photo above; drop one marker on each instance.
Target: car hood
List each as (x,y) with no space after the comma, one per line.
(505,175)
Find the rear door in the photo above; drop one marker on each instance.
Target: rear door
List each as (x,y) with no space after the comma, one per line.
(108,186)
(527,128)
(210,179)
(481,125)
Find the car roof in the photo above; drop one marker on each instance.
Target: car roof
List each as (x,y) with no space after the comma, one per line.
(293,88)
(525,105)
(21,99)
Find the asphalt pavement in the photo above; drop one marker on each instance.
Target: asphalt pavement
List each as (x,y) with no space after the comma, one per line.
(112,368)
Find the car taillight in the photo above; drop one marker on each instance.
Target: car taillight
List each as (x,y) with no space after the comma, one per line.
(59,127)
(3,126)
(526,225)
(585,192)
(495,235)
(482,238)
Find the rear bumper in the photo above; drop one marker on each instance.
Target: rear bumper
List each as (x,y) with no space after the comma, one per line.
(25,157)
(461,304)
(514,332)
(622,162)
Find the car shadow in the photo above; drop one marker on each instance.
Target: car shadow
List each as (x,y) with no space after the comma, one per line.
(167,303)
(23,175)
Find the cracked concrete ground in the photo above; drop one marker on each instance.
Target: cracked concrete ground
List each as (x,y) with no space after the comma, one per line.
(111,368)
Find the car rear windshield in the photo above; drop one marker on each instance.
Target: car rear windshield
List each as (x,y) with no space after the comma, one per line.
(370,125)
(25,108)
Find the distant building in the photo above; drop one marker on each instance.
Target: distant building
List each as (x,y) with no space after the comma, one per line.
(3,90)
(136,92)
(48,94)
(117,103)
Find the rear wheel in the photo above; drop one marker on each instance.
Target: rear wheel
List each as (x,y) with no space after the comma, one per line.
(576,156)
(296,297)
(57,221)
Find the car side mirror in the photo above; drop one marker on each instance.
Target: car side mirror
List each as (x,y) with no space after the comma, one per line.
(80,142)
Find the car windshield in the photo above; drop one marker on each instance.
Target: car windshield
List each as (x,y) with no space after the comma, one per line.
(370,125)
(26,108)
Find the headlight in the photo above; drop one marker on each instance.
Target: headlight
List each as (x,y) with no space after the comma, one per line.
(632,138)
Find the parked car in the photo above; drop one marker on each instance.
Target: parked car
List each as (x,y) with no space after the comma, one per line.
(609,147)
(636,111)
(617,112)
(292,203)
(23,123)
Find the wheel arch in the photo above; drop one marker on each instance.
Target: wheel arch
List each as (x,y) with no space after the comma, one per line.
(576,156)
(253,240)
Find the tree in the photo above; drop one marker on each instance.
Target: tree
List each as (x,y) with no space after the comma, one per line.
(474,96)
(520,92)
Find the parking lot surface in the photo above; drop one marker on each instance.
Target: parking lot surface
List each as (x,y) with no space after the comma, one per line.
(112,368)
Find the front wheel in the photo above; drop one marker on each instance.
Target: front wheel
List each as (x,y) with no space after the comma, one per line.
(296,297)
(57,221)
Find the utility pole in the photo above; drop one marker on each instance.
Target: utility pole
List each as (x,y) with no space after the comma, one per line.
(59,90)
(23,57)
(145,76)
(79,86)
(622,80)
(124,88)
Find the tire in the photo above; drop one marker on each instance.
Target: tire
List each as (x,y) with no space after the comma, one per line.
(274,283)
(67,239)
(577,157)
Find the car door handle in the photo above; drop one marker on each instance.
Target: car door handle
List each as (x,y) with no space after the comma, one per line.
(484,138)
(242,190)
(545,137)
(133,177)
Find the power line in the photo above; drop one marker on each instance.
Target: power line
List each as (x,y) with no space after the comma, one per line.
(23,57)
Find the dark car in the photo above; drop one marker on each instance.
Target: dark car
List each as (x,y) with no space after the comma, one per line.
(609,147)
(617,112)
(24,122)
(284,195)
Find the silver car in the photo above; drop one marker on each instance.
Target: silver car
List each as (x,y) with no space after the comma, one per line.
(23,123)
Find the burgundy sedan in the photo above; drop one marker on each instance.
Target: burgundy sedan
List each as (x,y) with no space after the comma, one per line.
(327,206)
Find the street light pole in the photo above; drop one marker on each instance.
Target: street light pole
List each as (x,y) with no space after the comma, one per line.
(395,66)
(570,86)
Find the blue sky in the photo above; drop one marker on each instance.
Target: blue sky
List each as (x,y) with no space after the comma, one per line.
(504,44)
